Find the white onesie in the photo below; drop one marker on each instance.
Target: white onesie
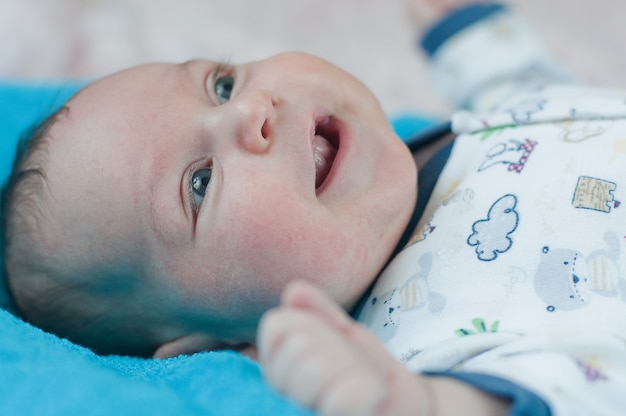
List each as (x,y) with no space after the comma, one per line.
(518,267)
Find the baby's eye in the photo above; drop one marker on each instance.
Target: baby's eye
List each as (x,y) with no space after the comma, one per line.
(224,87)
(199,183)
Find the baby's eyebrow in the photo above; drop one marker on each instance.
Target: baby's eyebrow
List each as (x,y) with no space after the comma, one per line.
(148,200)
(149,204)
(199,71)
(187,74)
(185,66)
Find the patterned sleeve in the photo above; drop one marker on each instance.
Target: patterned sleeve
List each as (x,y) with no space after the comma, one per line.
(483,52)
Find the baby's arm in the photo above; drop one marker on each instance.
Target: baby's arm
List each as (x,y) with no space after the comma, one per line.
(314,352)
(481,52)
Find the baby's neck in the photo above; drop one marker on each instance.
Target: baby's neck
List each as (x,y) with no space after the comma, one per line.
(423,155)
(426,182)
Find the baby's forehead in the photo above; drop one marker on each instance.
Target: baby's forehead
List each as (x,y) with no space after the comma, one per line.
(90,190)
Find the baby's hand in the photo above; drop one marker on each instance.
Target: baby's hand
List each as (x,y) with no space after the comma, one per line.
(314,352)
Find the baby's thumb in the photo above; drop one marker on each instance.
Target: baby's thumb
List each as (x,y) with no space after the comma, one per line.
(304,295)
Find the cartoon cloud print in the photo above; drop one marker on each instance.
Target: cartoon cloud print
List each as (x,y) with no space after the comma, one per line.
(491,236)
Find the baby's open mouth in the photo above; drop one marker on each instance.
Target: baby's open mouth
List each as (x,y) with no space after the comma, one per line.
(325,145)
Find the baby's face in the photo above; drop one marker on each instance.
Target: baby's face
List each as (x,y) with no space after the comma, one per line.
(226,182)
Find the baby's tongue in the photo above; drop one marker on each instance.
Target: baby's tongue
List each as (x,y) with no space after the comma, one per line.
(323,155)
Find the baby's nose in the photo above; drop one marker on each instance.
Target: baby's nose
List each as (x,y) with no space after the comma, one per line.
(254,115)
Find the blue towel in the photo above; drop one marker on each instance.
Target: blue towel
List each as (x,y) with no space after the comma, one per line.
(41,374)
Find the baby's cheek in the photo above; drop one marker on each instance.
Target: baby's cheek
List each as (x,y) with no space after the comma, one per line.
(285,241)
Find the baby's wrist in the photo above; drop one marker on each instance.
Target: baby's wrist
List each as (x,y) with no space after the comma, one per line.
(447,396)
(424,14)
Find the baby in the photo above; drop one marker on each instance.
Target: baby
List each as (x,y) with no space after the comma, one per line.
(165,209)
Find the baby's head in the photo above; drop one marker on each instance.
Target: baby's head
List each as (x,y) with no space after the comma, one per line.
(166,206)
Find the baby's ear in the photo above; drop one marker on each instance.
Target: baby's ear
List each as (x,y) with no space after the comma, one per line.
(187,344)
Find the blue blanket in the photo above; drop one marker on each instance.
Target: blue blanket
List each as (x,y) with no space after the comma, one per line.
(41,374)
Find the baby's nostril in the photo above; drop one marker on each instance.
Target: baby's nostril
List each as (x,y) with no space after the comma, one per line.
(265,129)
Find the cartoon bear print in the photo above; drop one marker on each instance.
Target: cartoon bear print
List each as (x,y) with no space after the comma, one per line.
(565,279)
(382,313)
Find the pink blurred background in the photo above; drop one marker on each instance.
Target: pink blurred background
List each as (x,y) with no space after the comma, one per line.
(58,39)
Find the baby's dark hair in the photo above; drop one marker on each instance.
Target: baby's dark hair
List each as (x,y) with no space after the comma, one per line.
(20,197)
(44,287)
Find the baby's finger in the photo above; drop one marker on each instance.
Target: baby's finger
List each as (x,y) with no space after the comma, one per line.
(283,337)
(366,393)
(303,295)
(303,356)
